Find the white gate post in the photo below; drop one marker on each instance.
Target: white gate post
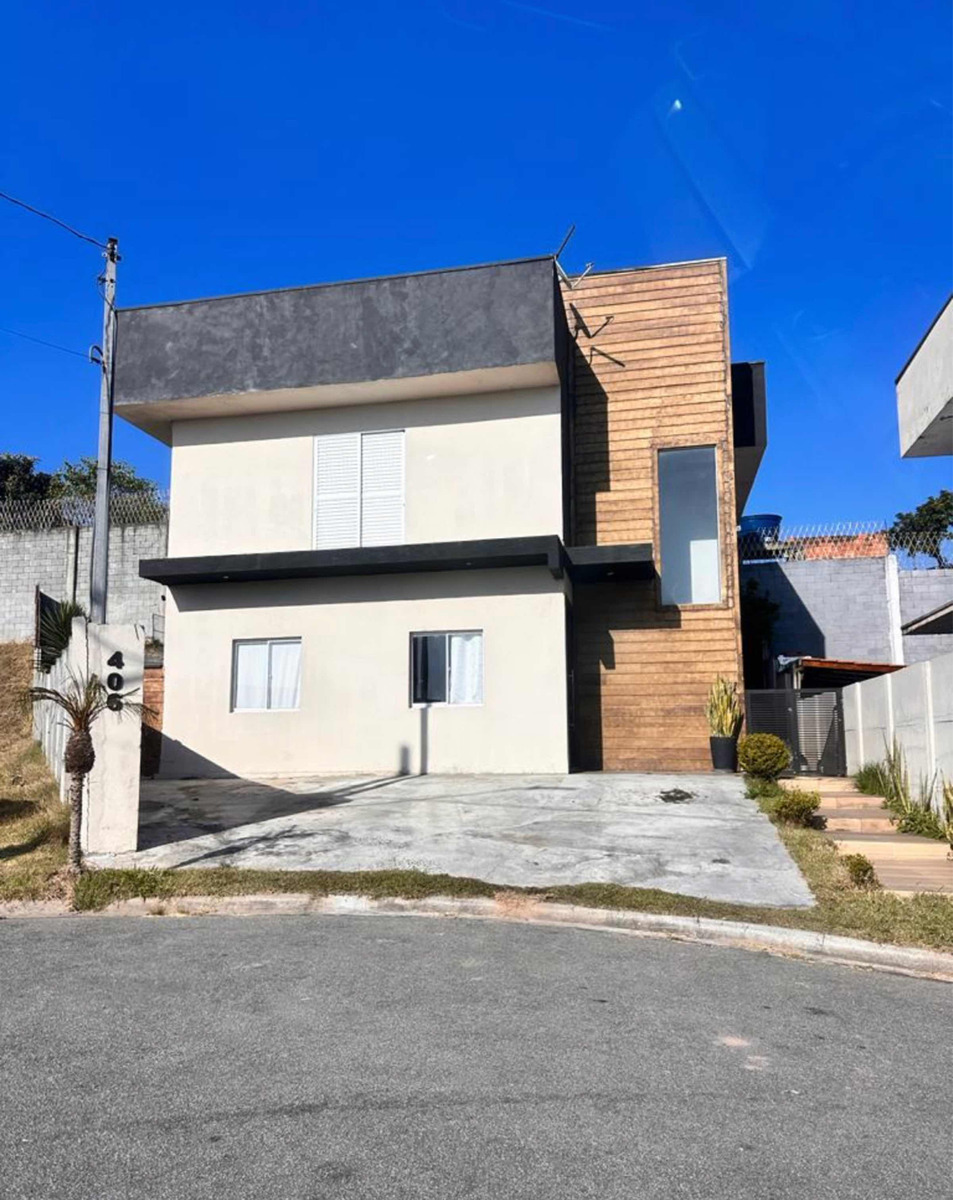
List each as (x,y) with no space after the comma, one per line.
(111,818)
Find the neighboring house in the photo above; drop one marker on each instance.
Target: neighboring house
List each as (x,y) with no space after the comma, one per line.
(925,391)
(471,520)
(862,608)
(841,595)
(913,709)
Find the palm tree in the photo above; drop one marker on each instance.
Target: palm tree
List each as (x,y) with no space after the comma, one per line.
(83,701)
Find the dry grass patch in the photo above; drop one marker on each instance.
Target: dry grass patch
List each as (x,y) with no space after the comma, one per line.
(34,825)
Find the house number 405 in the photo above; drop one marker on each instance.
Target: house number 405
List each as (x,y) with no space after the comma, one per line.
(114,682)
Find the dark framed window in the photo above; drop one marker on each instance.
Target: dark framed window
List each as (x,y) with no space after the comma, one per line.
(447,668)
(688,520)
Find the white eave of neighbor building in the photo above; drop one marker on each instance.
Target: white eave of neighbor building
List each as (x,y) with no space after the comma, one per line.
(925,392)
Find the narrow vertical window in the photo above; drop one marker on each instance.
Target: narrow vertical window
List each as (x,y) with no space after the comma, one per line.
(688,516)
(266,674)
(446,668)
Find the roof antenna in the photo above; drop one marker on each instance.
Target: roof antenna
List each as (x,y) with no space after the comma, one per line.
(565,242)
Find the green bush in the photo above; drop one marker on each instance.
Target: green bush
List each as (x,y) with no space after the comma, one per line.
(793,807)
(762,789)
(861,871)
(870,780)
(921,820)
(763,755)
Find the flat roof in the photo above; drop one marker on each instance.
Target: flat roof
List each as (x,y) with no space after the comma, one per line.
(309,287)
(937,621)
(919,345)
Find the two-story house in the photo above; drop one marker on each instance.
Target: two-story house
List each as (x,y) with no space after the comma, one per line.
(472,520)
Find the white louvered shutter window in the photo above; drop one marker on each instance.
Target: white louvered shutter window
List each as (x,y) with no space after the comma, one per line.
(382,488)
(337,491)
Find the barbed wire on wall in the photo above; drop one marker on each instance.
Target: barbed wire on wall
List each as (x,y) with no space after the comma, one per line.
(845,539)
(22,515)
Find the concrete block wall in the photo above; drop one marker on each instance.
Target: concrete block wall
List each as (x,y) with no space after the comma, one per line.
(848,608)
(913,706)
(830,608)
(921,592)
(58,560)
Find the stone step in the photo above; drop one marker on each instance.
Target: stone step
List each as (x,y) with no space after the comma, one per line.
(903,844)
(856,820)
(904,864)
(872,804)
(826,786)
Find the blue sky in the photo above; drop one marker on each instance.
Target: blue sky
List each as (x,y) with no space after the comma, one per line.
(244,146)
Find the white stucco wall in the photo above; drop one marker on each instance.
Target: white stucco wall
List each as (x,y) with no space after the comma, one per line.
(483,466)
(111,799)
(355,713)
(914,707)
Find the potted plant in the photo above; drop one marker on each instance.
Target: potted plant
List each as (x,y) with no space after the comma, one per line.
(723,710)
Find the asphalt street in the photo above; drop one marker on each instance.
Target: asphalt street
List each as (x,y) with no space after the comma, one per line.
(311,1057)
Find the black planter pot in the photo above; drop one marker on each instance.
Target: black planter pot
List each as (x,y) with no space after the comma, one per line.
(724,753)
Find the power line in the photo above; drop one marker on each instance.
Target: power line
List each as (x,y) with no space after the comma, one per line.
(56,221)
(40,342)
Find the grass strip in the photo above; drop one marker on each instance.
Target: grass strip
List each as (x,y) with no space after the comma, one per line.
(923,920)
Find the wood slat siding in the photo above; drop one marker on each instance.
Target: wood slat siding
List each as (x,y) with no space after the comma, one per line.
(642,672)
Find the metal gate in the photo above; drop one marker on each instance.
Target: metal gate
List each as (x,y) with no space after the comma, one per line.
(810,720)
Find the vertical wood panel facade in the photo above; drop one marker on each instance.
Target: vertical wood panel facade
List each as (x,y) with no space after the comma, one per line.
(652,371)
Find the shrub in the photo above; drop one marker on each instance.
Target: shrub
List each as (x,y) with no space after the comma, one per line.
(861,871)
(921,820)
(793,807)
(870,780)
(763,755)
(947,815)
(911,814)
(762,789)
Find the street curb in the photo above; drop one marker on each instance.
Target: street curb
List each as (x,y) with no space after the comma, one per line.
(520,909)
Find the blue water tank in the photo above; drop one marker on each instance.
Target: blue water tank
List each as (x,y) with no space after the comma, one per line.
(766,526)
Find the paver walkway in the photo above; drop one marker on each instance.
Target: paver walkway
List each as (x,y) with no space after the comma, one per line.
(904,863)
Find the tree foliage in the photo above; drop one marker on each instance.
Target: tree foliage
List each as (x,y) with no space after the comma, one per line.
(20,480)
(926,528)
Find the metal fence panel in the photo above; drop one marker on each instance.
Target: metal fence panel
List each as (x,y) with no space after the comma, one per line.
(810,720)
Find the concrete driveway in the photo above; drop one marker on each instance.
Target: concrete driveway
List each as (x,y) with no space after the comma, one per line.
(696,834)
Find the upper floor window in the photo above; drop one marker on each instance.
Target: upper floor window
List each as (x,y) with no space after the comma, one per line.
(688,517)
(359,489)
(266,674)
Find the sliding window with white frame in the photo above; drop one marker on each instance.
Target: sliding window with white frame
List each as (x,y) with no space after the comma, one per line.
(446,668)
(359,489)
(266,674)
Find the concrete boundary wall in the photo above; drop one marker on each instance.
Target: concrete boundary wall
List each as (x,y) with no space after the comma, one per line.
(111,803)
(58,562)
(913,706)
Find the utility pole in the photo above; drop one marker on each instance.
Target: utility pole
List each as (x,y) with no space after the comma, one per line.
(100,554)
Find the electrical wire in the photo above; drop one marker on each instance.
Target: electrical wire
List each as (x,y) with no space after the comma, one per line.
(40,342)
(56,221)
